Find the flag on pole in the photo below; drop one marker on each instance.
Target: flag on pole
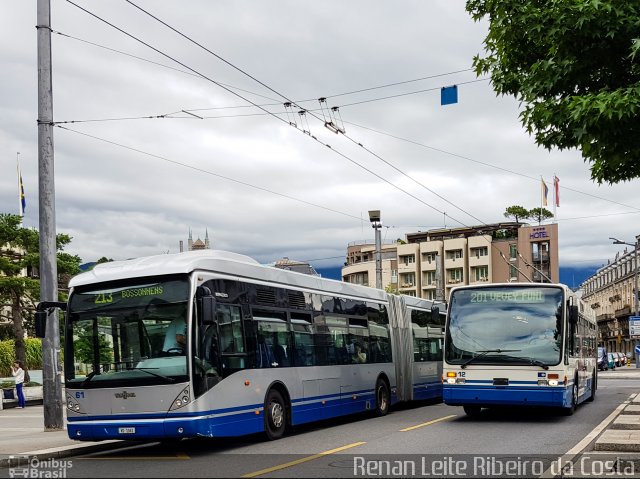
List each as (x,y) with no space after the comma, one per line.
(21,197)
(545,192)
(556,188)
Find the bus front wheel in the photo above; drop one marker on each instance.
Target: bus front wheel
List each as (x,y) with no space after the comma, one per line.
(574,399)
(382,397)
(275,415)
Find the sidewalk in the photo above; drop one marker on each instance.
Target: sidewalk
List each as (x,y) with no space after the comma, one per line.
(23,434)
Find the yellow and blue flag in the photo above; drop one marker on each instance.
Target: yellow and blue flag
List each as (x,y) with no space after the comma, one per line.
(23,200)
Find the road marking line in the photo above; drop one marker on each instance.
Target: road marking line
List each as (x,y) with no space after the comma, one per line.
(181,456)
(427,423)
(302,460)
(575,450)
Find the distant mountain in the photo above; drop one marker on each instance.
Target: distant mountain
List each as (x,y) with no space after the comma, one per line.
(574,277)
(331,273)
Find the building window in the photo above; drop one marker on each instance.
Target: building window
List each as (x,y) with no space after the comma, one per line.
(513,272)
(477,252)
(430,257)
(455,275)
(408,259)
(407,280)
(454,254)
(513,251)
(430,278)
(481,273)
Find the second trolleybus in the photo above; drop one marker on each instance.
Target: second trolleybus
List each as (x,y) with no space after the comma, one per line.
(525,344)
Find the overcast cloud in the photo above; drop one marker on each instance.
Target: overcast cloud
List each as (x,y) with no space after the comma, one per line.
(306,200)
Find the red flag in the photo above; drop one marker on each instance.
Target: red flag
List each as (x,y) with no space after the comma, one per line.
(556,187)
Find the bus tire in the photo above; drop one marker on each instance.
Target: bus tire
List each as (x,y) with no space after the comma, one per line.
(383,400)
(275,415)
(594,386)
(472,410)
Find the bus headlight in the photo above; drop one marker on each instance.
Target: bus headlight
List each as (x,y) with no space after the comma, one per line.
(451,380)
(460,380)
(553,382)
(182,399)
(543,382)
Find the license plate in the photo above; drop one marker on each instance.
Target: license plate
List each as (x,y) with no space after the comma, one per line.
(126,430)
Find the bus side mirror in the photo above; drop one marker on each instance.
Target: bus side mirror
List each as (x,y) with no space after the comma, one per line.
(41,324)
(208,310)
(573,314)
(435,314)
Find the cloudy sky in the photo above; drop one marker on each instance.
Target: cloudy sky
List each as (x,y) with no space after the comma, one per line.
(224,157)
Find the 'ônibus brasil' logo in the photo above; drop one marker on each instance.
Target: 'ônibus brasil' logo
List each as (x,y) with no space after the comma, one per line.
(125,395)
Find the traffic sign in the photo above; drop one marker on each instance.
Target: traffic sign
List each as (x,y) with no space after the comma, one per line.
(634,327)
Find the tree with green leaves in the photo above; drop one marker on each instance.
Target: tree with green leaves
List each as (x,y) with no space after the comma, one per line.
(540,214)
(517,213)
(19,258)
(575,66)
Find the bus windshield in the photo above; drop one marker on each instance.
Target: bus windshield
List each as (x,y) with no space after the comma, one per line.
(127,333)
(505,325)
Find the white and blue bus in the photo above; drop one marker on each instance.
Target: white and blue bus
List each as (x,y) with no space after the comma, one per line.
(527,344)
(211,343)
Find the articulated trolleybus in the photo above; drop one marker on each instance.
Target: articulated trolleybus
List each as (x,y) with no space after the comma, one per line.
(519,344)
(212,343)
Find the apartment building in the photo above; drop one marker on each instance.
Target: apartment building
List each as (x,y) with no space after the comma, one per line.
(430,263)
(610,293)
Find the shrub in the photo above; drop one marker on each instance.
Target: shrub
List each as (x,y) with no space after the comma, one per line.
(33,348)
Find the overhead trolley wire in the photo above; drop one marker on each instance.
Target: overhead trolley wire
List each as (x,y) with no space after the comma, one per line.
(249,101)
(208,172)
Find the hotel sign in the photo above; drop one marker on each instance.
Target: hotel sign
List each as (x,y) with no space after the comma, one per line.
(538,233)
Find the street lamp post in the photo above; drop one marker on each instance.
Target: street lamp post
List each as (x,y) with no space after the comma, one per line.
(374,217)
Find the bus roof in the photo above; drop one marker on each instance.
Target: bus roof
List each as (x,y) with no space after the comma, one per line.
(224,262)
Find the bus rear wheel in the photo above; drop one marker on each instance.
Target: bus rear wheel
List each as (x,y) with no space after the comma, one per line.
(275,415)
(472,410)
(382,398)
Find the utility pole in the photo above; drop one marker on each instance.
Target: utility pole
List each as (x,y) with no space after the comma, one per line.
(51,367)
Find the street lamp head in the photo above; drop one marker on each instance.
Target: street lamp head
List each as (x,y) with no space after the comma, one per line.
(617,241)
(374,216)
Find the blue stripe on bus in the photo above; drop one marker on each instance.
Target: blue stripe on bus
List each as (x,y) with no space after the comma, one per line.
(233,421)
(245,421)
(489,395)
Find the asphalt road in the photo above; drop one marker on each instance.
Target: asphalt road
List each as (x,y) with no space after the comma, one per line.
(423,436)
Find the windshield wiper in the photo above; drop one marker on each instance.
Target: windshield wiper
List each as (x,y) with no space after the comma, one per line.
(484,353)
(146,370)
(536,362)
(89,376)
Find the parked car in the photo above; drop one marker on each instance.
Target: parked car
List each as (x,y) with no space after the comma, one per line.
(612,360)
(603,360)
(617,359)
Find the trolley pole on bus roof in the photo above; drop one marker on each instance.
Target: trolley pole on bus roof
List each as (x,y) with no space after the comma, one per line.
(51,368)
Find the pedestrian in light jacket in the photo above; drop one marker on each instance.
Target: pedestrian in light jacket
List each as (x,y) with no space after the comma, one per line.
(17,371)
